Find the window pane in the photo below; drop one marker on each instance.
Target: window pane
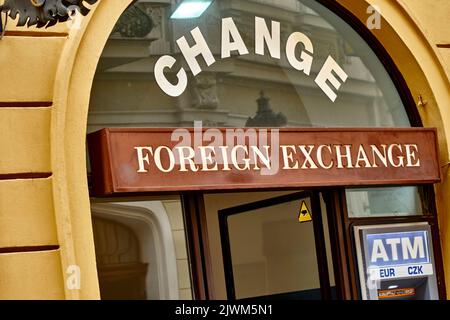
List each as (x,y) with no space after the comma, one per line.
(389,201)
(273,253)
(242,90)
(141,250)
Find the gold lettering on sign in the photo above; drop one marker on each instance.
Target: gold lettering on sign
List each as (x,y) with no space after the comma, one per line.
(134,160)
(292,157)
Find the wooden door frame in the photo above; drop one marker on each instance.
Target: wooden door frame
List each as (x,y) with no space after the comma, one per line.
(198,245)
(197,234)
(340,228)
(318,236)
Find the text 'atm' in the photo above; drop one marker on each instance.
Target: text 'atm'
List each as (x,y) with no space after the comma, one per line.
(396,262)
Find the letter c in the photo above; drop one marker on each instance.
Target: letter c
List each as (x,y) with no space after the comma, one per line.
(164,84)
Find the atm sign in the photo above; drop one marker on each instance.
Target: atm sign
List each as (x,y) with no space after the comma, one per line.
(398,255)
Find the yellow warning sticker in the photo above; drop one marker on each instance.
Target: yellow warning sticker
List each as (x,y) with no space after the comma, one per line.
(305,214)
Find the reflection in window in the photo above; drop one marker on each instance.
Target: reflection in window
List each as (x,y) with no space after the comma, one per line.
(141,250)
(121,271)
(273,254)
(228,93)
(389,201)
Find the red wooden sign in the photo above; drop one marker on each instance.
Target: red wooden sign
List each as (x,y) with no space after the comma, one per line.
(146,160)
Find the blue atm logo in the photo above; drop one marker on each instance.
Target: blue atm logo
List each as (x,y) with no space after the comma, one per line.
(400,248)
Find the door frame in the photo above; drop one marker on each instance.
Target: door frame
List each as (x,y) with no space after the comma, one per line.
(198,249)
(319,239)
(340,228)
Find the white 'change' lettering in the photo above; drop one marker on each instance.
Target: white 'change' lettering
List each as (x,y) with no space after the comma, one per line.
(329,79)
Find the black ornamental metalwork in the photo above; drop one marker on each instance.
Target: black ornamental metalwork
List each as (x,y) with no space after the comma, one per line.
(44,13)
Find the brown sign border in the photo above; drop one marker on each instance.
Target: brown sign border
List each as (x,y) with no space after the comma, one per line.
(105,182)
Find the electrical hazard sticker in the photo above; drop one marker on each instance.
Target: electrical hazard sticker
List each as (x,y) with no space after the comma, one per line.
(305,214)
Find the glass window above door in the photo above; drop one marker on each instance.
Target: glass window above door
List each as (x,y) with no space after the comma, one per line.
(245,89)
(384,201)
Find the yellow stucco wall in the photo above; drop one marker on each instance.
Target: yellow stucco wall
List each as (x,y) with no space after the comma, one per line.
(44,97)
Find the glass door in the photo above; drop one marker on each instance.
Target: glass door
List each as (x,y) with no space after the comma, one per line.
(277,248)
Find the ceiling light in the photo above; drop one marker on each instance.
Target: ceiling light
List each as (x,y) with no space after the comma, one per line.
(190,9)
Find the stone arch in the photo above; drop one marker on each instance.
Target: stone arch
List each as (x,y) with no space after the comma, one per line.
(403,39)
